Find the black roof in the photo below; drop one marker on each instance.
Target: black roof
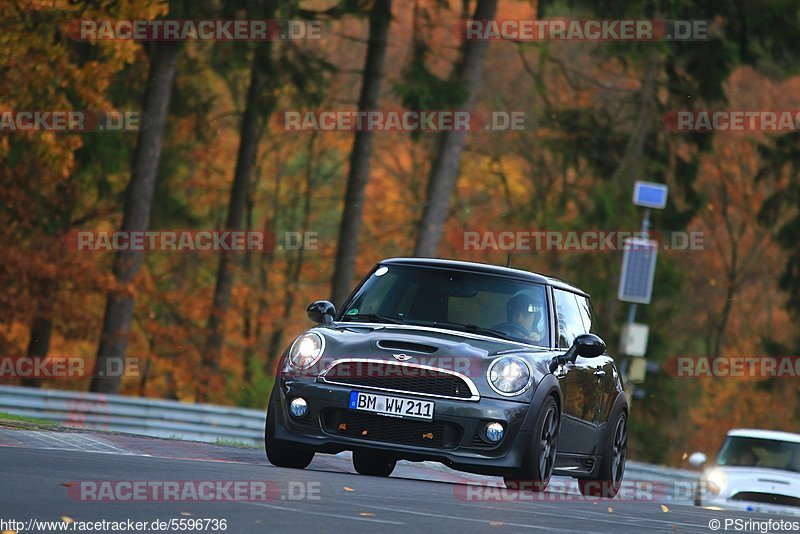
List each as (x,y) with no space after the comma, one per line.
(484,268)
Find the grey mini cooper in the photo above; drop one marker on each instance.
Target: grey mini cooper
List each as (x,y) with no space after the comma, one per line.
(485,369)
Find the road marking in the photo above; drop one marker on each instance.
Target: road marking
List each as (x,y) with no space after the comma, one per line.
(63,441)
(618,518)
(484,521)
(615,521)
(325,514)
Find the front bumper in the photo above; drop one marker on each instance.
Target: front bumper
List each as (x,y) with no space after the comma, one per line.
(747,506)
(723,503)
(452,438)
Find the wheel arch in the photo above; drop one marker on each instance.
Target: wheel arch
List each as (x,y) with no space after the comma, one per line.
(620,403)
(548,386)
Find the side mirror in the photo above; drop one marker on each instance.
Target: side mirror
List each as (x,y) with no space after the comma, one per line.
(697,459)
(321,311)
(584,345)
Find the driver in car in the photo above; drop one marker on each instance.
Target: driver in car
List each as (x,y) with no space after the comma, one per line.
(747,458)
(524,313)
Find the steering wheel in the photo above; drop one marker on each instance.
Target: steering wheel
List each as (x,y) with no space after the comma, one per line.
(512,329)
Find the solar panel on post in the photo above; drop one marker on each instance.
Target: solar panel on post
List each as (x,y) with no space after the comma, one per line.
(638,270)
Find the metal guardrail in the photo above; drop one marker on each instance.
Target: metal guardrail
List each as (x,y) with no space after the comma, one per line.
(660,473)
(135,415)
(200,422)
(668,483)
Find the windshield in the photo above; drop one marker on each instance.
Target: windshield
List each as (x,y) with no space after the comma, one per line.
(754,452)
(466,301)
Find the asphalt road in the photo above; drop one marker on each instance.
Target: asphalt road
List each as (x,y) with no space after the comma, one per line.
(43,473)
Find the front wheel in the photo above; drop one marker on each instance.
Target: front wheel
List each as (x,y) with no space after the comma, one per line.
(540,458)
(372,464)
(612,465)
(281,453)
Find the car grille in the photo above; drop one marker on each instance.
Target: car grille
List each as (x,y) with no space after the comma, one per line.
(478,443)
(353,424)
(402,378)
(766,498)
(587,464)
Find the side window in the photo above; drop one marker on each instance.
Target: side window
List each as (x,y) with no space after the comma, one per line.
(570,320)
(586,313)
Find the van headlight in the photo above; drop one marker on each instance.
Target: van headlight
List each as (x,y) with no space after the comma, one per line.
(509,376)
(306,350)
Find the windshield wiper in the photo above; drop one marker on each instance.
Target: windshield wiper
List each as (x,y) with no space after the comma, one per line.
(374,317)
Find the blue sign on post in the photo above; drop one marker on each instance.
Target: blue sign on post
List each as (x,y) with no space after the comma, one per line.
(650,195)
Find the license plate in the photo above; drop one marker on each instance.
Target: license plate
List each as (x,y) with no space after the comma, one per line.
(391,406)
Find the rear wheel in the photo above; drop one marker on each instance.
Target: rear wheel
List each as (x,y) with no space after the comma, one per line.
(281,453)
(612,466)
(373,464)
(540,458)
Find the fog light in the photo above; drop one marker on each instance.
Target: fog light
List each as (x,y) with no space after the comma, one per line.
(494,432)
(298,407)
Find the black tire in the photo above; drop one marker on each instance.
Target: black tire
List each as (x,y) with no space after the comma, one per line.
(281,453)
(607,483)
(373,464)
(540,458)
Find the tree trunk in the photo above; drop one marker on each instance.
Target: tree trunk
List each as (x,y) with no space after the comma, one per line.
(248,351)
(42,326)
(136,215)
(265,268)
(256,110)
(39,344)
(350,226)
(631,167)
(446,167)
(294,268)
(724,316)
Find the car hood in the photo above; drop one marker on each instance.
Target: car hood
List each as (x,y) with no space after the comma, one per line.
(760,480)
(445,340)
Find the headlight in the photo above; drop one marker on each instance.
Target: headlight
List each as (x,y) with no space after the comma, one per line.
(509,376)
(716,481)
(306,350)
